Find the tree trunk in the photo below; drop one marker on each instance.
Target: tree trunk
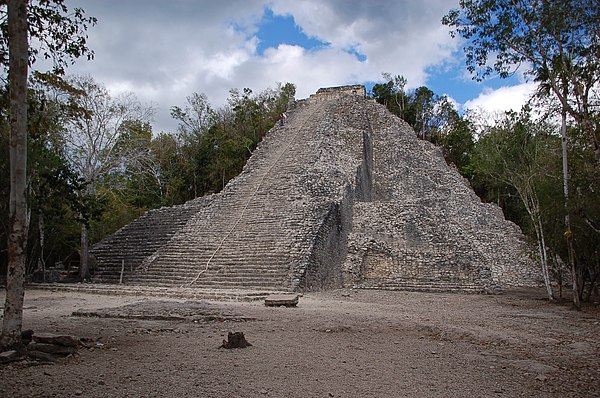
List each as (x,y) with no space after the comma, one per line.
(532,207)
(41,262)
(542,248)
(17,237)
(568,232)
(84,265)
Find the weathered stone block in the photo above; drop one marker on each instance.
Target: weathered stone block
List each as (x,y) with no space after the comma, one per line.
(279,300)
(52,349)
(62,340)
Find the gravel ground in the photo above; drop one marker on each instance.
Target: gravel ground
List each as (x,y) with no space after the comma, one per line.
(342,343)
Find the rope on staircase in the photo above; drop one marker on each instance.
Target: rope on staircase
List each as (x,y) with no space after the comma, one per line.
(262,179)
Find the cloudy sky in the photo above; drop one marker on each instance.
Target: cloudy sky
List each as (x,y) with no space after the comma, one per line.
(163,51)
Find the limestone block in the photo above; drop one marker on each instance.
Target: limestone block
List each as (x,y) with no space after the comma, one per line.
(52,348)
(62,340)
(279,300)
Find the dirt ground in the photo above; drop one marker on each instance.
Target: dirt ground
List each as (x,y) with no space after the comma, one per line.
(343,343)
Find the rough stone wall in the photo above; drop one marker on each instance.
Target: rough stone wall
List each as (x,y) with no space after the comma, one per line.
(329,246)
(425,224)
(334,93)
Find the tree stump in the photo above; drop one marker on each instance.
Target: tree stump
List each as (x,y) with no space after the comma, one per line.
(235,340)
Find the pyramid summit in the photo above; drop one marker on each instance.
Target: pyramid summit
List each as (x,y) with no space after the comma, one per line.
(342,195)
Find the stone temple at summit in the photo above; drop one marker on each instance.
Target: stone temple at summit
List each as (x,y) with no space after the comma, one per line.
(342,195)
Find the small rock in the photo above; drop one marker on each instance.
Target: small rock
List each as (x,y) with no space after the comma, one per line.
(541,377)
(78,392)
(41,356)
(263,392)
(52,348)
(63,340)
(10,356)
(26,336)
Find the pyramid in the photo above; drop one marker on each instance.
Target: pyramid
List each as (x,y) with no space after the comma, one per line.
(342,195)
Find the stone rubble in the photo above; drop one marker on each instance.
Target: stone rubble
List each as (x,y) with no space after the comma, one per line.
(42,347)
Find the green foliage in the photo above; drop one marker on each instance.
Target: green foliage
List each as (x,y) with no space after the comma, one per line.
(458,145)
(59,33)
(517,164)
(555,42)
(212,146)
(511,159)
(54,194)
(528,34)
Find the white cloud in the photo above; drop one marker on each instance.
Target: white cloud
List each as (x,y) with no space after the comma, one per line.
(165,51)
(502,99)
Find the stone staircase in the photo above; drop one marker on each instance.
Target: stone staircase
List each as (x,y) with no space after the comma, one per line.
(263,231)
(126,248)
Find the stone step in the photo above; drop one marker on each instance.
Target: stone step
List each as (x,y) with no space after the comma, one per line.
(189,282)
(214,275)
(195,293)
(422,286)
(213,266)
(209,277)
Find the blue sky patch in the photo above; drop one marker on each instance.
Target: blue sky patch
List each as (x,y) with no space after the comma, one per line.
(282,29)
(457,83)
(359,56)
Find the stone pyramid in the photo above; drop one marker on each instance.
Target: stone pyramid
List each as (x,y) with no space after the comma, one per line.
(343,194)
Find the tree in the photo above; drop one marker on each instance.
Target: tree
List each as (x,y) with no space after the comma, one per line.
(61,37)
(397,86)
(515,152)
(555,41)
(98,140)
(214,144)
(392,94)
(53,189)
(427,113)
(196,117)
(59,34)
(457,142)
(18,47)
